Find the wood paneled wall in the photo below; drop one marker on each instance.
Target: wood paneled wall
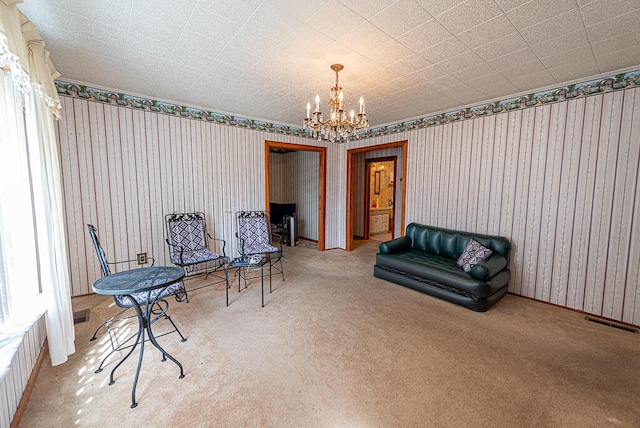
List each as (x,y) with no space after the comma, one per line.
(124,169)
(560,181)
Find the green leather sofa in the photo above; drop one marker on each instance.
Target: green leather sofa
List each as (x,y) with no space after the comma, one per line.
(425,260)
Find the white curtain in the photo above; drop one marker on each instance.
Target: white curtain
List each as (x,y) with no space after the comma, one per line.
(31,220)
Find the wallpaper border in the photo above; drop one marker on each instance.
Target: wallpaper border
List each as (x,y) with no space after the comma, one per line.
(590,87)
(587,88)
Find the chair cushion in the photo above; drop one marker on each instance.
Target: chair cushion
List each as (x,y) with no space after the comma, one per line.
(153,295)
(193,257)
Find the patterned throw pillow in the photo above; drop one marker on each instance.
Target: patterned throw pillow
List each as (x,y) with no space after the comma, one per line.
(473,253)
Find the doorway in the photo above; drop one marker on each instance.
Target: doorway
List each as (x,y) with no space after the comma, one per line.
(321,181)
(399,183)
(380,191)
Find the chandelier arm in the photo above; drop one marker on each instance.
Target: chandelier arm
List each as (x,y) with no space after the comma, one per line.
(337,128)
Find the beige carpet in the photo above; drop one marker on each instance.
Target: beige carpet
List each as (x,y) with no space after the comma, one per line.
(336,347)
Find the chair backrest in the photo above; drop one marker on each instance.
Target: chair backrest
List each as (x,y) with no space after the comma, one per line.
(101,256)
(254,229)
(187,231)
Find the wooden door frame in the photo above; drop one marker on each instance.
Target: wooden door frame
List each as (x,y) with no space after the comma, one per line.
(367,192)
(322,180)
(351,180)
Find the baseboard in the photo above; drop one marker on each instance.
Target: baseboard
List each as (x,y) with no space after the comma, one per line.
(30,384)
(578,311)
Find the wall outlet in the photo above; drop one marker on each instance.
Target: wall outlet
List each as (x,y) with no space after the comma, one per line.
(142,258)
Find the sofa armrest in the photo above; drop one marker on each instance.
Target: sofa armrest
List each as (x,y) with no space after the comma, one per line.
(395,245)
(488,267)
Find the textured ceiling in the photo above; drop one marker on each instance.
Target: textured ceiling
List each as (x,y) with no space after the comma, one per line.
(267,58)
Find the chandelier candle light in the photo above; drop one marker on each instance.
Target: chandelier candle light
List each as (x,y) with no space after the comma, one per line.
(336,129)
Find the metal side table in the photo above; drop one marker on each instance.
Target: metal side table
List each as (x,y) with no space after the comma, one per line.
(242,267)
(145,280)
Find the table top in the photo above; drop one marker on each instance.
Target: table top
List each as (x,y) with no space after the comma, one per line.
(244,262)
(137,280)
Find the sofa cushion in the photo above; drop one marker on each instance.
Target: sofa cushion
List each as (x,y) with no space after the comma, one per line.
(473,253)
(440,269)
(451,243)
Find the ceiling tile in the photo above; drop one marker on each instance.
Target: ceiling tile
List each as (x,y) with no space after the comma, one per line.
(195,42)
(152,28)
(136,72)
(540,10)
(474,72)
(487,32)
(507,5)
(556,26)
(118,15)
(614,27)
(629,57)
(445,81)
(149,46)
(513,59)
(445,50)
(176,12)
(438,7)
(279,57)
(411,64)
(236,11)
(519,69)
(616,43)
(51,12)
(501,88)
(366,8)
(95,30)
(460,62)
(241,59)
(214,27)
(179,74)
(468,15)
(334,15)
(564,43)
(363,38)
(272,22)
(390,53)
(428,34)
(559,59)
(191,57)
(426,74)
(400,17)
(539,79)
(575,69)
(501,47)
(252,42)
(603,10)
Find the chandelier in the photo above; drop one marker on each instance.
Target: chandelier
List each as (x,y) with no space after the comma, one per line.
(336,129)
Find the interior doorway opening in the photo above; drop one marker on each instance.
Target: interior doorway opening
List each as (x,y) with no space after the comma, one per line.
(380,193)
(357,177)
(303,173)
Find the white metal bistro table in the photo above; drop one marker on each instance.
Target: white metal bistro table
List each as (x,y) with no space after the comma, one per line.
(135,281)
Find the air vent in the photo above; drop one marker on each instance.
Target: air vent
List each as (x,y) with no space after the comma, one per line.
(612,324)
(81,316)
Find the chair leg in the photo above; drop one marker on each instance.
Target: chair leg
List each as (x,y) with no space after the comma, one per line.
(181,295)
(184,339)
(107,323)
(281,268)
(162,312)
